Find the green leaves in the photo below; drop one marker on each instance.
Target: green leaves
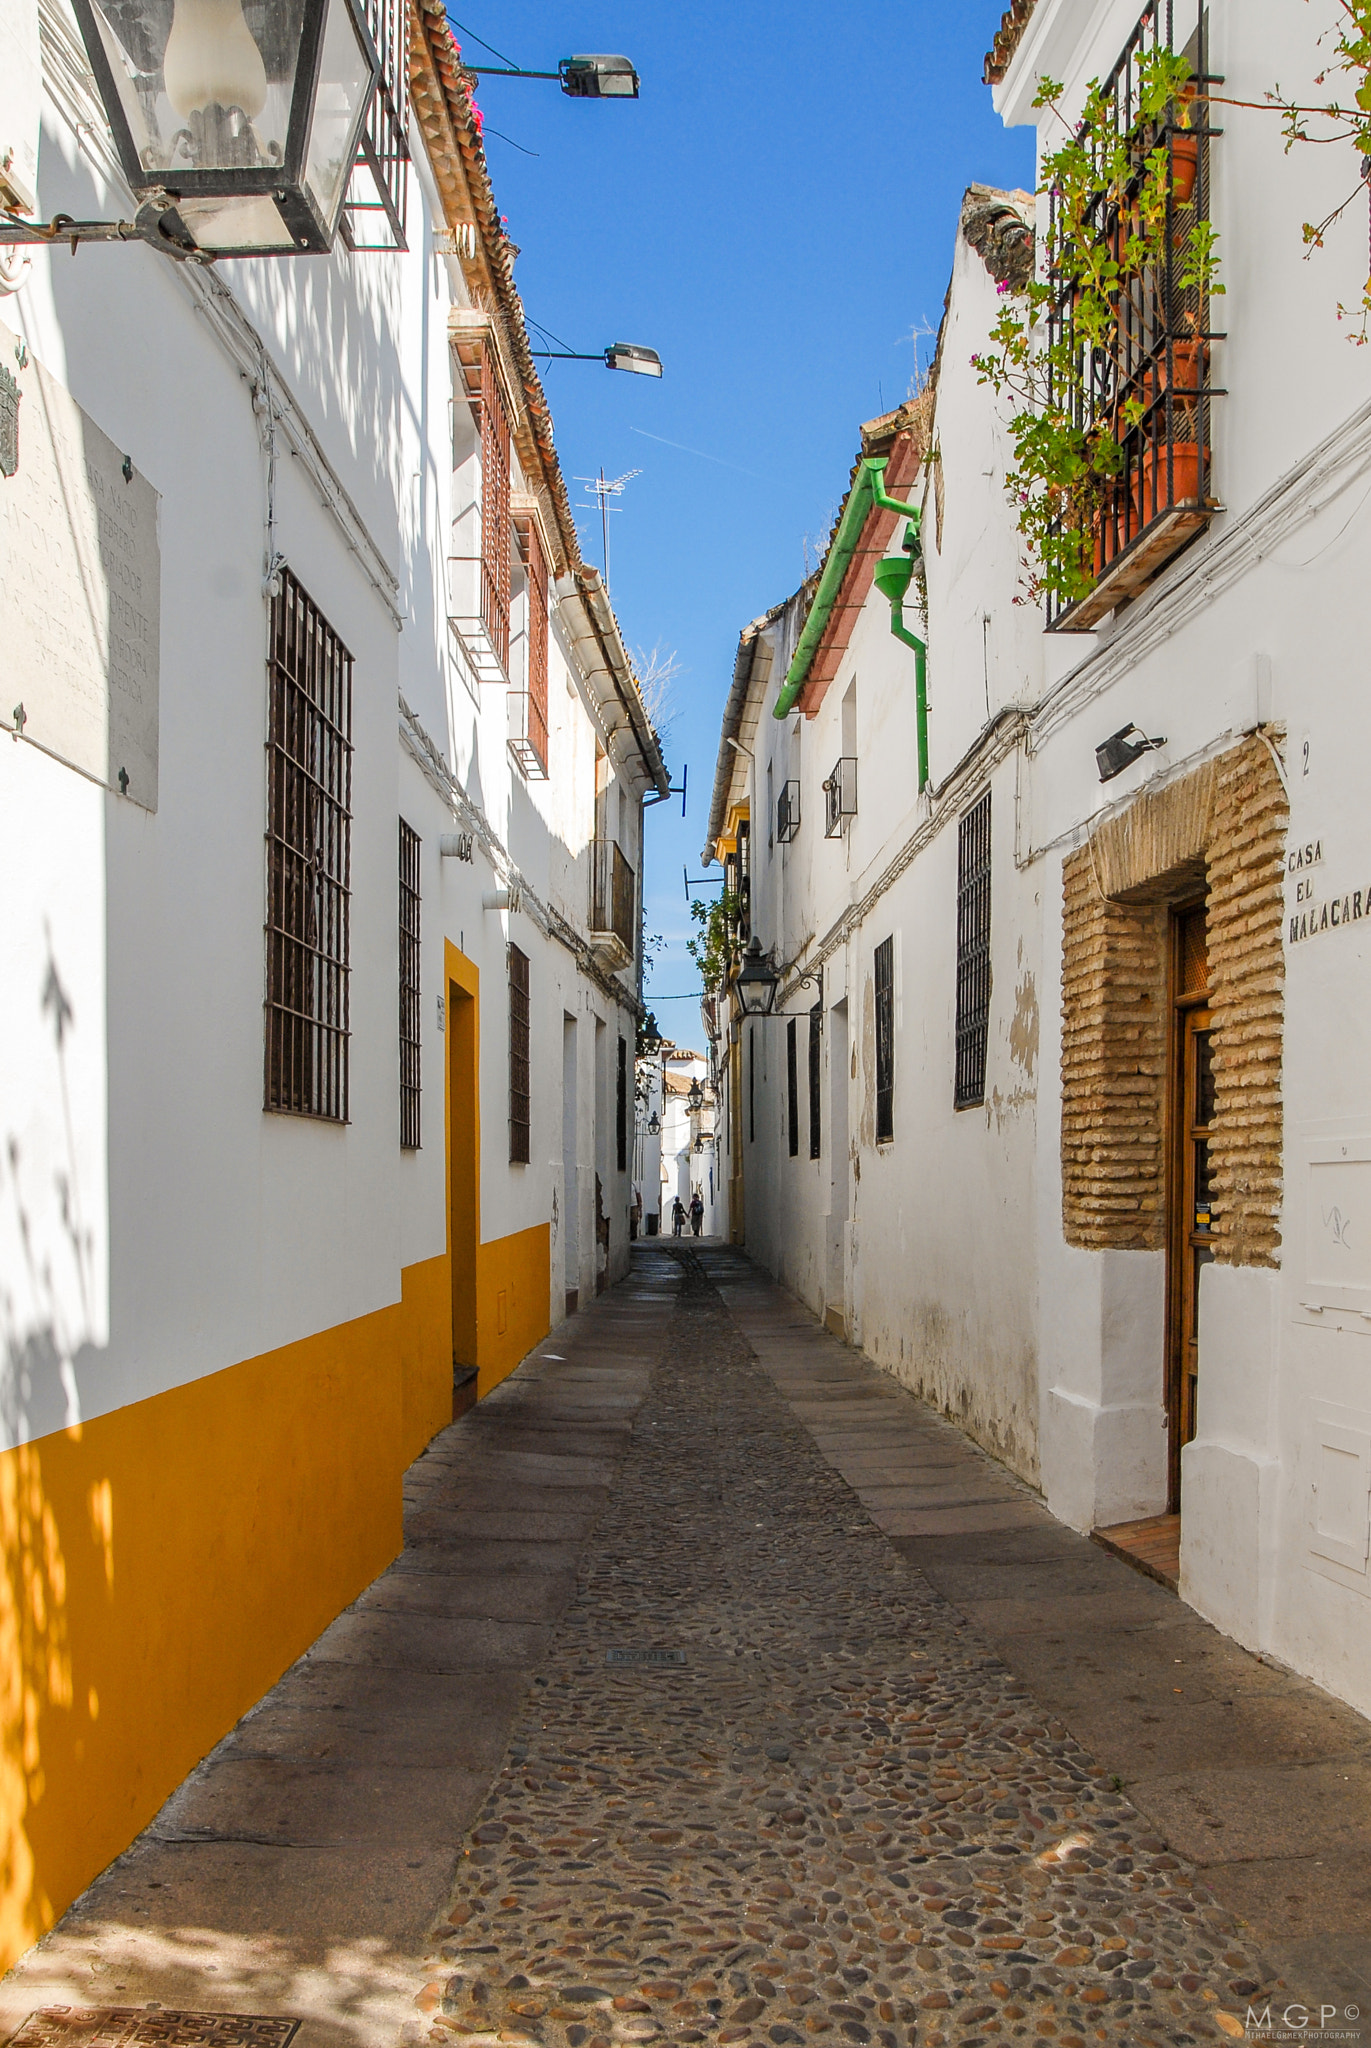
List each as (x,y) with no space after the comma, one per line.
(712,947)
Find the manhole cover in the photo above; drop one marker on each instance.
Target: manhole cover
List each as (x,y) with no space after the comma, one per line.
(645,1656)
(129,2026)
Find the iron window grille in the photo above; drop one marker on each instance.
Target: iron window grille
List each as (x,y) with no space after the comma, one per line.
(788,813)
(792,1081)
(383,147)
(1158,352)
(528,740)
(840,796)
(613,893)
(973,953)
(621,1107)
(410,1037)
(885,1041)
(816,1026)
(519,1065)
(309,852)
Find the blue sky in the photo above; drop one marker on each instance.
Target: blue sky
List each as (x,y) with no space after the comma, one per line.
(774,216)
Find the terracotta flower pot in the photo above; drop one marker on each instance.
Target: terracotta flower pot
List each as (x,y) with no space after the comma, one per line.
(1185,167)
(1184,479)
(1188,361)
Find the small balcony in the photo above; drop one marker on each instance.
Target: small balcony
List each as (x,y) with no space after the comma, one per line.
(788,813)
(613,906)
(1146,385)
(528,734)
(840,796)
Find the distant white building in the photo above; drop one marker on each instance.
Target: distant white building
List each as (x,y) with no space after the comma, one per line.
(1061,1113)
(321,787)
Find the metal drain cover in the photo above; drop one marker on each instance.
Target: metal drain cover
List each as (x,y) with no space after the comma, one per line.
(645,1656)
(132,2026)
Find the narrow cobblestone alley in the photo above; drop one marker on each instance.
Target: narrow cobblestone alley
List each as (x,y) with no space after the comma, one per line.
(732,1769)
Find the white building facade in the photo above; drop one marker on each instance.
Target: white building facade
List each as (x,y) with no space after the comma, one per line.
(323,769)
(1061,1113)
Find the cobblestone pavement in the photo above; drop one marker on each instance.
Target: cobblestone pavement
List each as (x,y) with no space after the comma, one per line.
(833,1814)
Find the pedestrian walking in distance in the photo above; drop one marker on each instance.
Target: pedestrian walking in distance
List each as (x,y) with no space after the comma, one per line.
(677,1217)
(697,1213)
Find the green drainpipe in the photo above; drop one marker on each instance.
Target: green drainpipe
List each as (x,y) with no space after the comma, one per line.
(859,504)
(892,577)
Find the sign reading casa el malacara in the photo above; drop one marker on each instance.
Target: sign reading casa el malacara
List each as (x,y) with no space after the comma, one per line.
(1308,918)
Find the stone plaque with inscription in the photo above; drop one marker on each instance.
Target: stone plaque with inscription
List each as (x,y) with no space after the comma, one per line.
(80,591)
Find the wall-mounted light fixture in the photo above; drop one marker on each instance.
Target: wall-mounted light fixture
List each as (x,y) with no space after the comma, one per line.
(598,77)
(620,355)
(1122,749)
(237,136)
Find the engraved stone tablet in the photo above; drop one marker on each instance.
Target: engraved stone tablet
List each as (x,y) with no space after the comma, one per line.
(80,591)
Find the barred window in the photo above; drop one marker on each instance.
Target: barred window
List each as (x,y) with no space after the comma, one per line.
(621,1107)
(816,1027)
(792,1084)
(309,828)
(410,1048)
(973,952)
(885,1040)
(518,1057)
(495,558)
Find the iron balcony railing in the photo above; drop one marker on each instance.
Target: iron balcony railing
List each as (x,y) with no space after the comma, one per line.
(1149,385)
(613,894)
(840,796)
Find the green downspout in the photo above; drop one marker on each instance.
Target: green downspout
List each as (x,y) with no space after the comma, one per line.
(892,577)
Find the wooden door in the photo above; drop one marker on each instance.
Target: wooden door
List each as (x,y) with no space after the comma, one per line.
(1190,1236)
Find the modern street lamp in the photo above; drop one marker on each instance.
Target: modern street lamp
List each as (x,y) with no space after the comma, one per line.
(237,130)
(620,355)
(597,77)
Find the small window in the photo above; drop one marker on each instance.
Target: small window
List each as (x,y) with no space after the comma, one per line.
(885,1041)
(973,952)
(621,1107)
(309,854)
(410,1047)
(816,1027)
(792,1085)
(518,1057)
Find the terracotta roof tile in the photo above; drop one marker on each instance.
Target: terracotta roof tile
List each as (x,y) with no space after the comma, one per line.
(1008,36)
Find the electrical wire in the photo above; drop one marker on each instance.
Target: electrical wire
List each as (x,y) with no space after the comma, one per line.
(501,136)
(484,44)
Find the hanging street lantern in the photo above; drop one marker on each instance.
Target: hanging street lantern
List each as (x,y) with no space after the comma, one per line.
(695,1097)
(754,985)
(236,121)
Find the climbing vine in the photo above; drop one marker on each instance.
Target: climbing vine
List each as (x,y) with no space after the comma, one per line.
(715,940)
(1337,121)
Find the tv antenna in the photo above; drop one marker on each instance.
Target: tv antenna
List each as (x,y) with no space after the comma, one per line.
(600,489)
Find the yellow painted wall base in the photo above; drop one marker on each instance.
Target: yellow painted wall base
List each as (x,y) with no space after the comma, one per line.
(426,1354)
(164,1564)
(513,1302)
